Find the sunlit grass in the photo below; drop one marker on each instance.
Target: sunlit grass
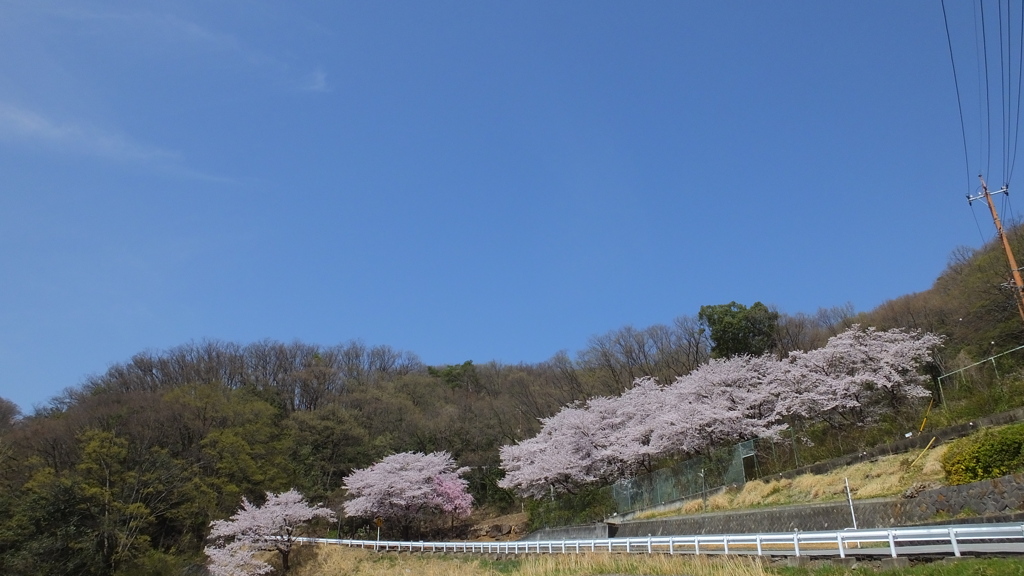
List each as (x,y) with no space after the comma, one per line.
(336,561)
(654,565)
(885,476)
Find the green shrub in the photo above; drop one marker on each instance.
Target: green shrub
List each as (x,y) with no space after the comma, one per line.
(586,506)
(986,454)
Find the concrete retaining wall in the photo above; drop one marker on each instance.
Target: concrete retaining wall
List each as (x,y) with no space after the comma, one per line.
(999,500)
(587,532)
(1002,498)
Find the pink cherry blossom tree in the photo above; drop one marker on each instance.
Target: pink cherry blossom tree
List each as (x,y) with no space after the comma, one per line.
(272,526)
(724,400)
(614,437)
(409,487)
(608,437)
(858,375)
(564,454)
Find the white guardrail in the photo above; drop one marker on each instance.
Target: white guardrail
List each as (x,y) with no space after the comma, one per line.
(933,540)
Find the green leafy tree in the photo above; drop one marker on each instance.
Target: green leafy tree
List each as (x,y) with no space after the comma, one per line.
(457,375)
(46,529)
(735,329)
(325,445)
(246,452)
(113,493)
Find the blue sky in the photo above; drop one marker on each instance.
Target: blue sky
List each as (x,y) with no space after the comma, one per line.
(462,180)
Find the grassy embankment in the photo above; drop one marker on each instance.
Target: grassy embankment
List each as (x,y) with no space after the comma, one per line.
(887,476)
(338,562)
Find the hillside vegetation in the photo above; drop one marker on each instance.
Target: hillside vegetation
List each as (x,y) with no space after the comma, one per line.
(123,473)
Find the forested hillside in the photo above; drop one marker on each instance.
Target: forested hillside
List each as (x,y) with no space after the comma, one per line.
(123,473)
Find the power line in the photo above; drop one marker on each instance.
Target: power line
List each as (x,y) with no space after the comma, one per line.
(981,234)
(959,104)
(988,97)
(1004,72)
(1020,73)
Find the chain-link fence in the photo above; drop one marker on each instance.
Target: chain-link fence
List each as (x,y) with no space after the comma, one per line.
(691,478)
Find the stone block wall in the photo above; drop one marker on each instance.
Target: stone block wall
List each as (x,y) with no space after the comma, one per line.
(1000,496)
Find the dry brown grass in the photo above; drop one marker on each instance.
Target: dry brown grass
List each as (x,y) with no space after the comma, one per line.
(886,476)
(336,561)
(654,565)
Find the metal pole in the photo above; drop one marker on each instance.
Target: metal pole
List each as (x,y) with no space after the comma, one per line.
(1018,282)
(849,498)
(704,489)
(796,457)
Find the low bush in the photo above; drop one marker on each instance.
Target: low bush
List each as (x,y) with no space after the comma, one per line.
(984,455)
(586,506)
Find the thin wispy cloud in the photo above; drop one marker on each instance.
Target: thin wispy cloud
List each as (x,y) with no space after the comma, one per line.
(316,82)
(28,128)
(19,124)
(174,31)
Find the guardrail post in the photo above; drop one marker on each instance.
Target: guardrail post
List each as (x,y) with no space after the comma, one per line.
(759,552)
(952,540)
(627,546)
(892,544)
(726,540)
(696,546)
(649,545)
(842,549)
(671,546)
(796,543)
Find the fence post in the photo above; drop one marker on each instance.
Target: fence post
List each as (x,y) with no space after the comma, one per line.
(952,540)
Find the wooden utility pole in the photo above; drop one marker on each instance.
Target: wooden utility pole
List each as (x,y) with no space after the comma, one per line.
(1017,284)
